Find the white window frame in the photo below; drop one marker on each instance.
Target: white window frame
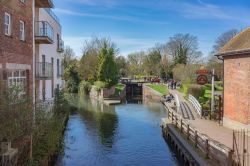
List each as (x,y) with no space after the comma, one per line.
(7,25)
(22,30)
(17,80)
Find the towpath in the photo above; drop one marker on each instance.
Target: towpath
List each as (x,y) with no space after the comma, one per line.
(210,128)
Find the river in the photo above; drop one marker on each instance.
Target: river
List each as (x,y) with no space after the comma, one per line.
(122,135)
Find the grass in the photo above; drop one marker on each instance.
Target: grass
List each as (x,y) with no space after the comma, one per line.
(159,88)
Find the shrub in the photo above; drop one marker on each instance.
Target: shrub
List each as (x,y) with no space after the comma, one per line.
(85,87)
(100,85)
(196,90)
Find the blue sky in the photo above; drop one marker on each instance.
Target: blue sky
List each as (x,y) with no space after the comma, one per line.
(136,25)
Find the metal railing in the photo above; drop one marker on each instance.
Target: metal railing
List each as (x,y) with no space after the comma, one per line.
(44,29)
(52,14)
(195,104)
(44,70)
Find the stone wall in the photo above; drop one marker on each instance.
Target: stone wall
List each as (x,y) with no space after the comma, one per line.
(102,94)
(237,91)
(150,94)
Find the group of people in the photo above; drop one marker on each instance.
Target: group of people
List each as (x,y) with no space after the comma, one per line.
(172,84)
(168,98)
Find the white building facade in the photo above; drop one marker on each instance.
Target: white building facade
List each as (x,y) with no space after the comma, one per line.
(48,54)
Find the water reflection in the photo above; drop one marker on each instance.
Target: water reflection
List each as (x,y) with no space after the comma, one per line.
(98,117)
(127,134)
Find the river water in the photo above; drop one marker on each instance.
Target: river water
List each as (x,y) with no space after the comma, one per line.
(122,135)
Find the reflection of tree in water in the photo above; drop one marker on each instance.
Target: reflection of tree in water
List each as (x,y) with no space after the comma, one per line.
(99,117)
(107,124)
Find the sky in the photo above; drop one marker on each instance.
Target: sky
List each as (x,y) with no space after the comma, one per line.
(136,25)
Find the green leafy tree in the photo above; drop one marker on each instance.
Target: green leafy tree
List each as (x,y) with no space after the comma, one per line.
(107,69)
(72,79)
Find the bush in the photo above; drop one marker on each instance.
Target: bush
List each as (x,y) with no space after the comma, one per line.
(85,87)
(184,88)
(100,85)
(196,90)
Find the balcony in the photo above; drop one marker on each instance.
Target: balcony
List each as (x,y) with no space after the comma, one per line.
(44,71)
(44,3)
(60,46)
(44,33)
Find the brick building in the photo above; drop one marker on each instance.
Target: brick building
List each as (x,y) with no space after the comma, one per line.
(31,47)
(236,57)
(16,42)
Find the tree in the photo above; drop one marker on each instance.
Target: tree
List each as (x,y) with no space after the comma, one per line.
(223,39)
(184,49)
(89,61)
(152,62)
(107,70)
(72,79)
(68,57)
(122,66)
(135,63)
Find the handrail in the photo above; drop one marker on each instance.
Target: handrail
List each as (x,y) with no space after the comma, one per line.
(195,104)
(44,29)
(44,70)
(210,148)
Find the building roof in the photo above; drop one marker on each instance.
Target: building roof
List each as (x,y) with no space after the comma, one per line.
(239,44)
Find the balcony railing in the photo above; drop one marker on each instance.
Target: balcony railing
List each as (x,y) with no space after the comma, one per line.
(44,33)
(44,70)
(60,46)
(44,3)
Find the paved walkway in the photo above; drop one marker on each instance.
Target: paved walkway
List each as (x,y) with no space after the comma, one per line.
(210,128)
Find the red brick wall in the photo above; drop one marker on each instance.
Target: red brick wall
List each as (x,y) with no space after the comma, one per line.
(12,50)
(237,88)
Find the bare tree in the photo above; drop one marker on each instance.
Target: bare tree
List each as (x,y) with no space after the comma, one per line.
(68,56)
(184,49)
(223,39)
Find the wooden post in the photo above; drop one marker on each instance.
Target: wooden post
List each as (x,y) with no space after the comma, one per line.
(230,158)
(176,123)
(188,132)
(172,117)
(207,149)
(181,126)
(196,138)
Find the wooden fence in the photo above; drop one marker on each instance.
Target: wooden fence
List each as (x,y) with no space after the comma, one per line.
(210,148)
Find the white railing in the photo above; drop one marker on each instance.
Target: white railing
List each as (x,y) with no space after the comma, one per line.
(195,104)
(177,102)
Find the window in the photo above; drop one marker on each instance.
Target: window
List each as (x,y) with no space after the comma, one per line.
(22,31)
(7,24)
(17,78)
(23,1)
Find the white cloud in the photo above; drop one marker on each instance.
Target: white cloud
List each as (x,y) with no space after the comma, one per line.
(202,10)
(106,16)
